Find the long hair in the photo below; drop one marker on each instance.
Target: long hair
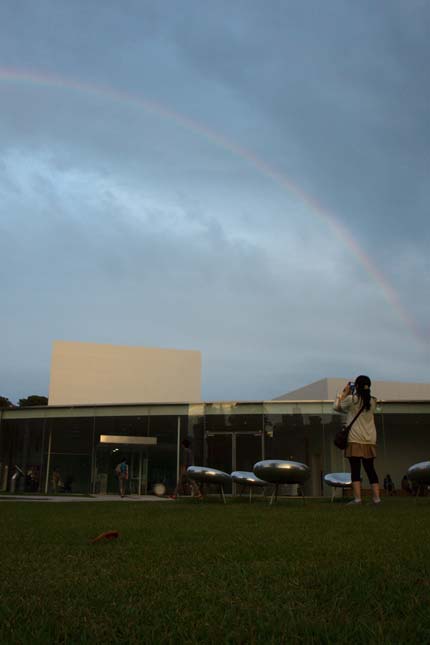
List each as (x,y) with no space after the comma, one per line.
(362,388)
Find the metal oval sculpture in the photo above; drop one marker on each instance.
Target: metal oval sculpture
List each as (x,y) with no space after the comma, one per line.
(338,480)
(247,479)
(420,472)
(277,471)
(208,475)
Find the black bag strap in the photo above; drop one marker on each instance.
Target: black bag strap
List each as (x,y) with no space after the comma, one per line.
(349,426)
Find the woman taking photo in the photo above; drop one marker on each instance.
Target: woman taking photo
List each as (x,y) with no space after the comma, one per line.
(358,403)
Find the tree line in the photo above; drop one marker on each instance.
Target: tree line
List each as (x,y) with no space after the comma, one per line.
(28,402)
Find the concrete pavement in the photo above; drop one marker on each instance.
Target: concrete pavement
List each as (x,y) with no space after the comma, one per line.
(82,498)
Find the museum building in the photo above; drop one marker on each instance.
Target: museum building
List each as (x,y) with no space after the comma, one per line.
(90,424)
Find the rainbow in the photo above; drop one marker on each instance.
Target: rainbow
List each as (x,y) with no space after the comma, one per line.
(318,210)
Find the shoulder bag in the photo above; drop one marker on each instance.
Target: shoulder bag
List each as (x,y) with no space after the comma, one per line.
(341,436)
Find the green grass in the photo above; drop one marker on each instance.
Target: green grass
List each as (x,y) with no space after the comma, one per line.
(185,572)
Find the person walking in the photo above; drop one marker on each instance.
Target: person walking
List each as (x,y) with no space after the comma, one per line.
(356,400)
(187,459)
(122,474)
(388,485)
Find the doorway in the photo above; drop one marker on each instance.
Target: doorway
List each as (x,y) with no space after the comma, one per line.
(108,457)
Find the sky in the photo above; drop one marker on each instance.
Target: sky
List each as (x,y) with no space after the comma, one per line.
(249,179)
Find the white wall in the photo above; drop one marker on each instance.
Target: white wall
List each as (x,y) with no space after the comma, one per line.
(90,373)
(326,390)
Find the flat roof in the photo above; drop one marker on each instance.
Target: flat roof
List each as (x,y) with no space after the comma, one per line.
(305,406)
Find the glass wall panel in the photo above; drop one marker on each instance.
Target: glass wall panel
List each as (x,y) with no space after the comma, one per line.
(219,453)
(130,426)
(71,436)
(248,450)
(403,440)
(333,458)
(234,422)
(297,437)
(196,434)
(69,455)
(8,447)
(21,451)
(74,474)
(163,457)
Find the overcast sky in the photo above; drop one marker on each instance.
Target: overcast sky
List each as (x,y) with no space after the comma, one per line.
(212,221)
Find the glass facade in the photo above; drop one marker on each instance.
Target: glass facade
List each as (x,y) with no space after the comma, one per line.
(75,450)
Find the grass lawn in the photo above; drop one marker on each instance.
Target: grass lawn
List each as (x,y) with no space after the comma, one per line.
(189,572)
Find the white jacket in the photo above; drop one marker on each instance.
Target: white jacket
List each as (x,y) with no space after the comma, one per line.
(363,429)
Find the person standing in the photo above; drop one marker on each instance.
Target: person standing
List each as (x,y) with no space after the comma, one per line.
(122,474)
(187,459)
(56,480)
(388,485)
(356,400)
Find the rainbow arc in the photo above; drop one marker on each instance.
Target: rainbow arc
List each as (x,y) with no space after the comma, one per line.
(391,296)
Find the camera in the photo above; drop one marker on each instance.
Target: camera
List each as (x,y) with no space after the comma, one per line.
(351,387)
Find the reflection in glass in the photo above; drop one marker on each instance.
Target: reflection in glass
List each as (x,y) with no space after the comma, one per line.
(221,437)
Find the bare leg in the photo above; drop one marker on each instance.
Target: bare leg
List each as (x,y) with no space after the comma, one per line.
(376,495)
(356,489)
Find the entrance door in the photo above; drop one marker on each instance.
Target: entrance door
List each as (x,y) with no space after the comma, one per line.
(108,457)
(138,473)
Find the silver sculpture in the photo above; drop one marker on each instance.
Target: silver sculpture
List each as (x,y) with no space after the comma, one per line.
(206,475)
(247,479)
(338,480)
(420,474)
(278,471)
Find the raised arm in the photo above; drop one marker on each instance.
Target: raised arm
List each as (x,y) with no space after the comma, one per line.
(342,402)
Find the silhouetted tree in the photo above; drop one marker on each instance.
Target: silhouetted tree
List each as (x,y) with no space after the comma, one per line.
(32,400)
(5,404)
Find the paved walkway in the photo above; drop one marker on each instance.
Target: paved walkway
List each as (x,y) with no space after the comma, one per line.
(82,498)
